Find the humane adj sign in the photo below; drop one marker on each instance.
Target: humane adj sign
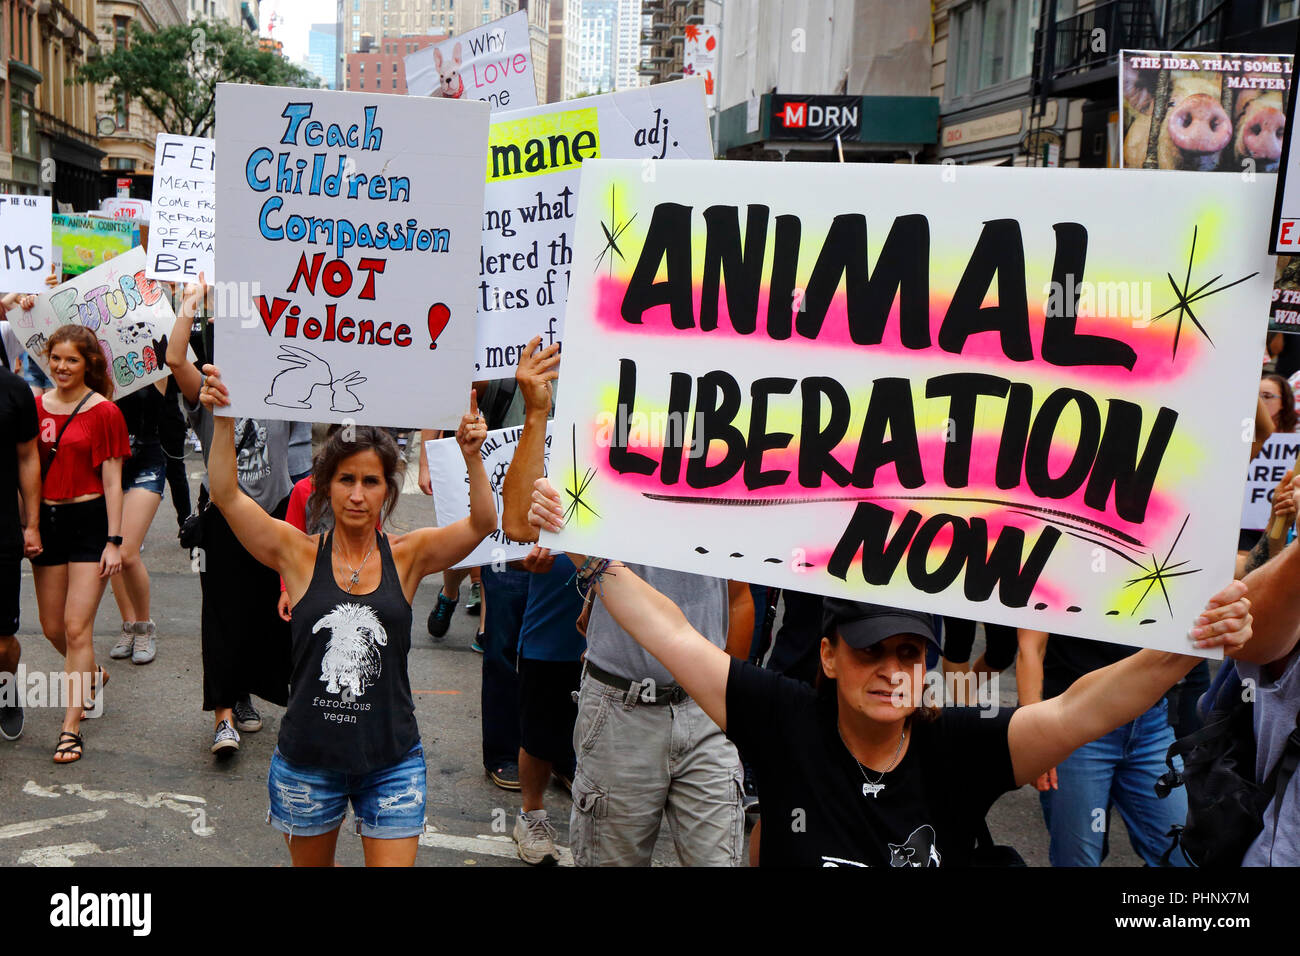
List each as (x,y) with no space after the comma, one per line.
(534,163)
(129,313)
(886,383)
(356,218)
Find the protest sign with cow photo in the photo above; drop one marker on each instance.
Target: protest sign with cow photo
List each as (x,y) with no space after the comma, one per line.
(534,164)
(883,383)
(355,221)
(129,313)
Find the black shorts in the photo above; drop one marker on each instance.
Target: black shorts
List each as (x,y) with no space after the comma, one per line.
(73,533)
(11,579)
(547,710)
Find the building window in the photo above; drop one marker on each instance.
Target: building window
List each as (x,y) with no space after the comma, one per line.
(1278,10)
(122,115)
(990,42)
(119,32)
(394,82)
(24,129)
(361,83)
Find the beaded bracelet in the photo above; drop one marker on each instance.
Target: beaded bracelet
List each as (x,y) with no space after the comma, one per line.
(590,574)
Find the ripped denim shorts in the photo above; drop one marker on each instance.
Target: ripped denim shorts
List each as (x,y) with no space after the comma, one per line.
(388,804)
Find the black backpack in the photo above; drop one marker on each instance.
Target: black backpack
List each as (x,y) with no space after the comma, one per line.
(1225,805)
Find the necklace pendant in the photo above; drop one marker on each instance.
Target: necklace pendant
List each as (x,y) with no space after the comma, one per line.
(356,576)
(871,789)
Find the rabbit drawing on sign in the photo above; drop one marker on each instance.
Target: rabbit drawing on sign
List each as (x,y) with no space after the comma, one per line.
(342,398)
(450,84)
(292,388)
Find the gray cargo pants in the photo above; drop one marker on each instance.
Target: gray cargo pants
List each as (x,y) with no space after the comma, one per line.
(638,762)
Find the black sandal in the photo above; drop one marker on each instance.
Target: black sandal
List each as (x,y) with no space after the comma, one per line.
(74,745)
(103,682)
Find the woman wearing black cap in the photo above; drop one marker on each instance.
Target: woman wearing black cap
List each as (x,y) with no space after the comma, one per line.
(856,773)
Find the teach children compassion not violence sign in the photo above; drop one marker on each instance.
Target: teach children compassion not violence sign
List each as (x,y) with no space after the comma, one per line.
(927,390)
(355,219)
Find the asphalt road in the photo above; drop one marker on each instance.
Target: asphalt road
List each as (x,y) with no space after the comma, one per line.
(149,793)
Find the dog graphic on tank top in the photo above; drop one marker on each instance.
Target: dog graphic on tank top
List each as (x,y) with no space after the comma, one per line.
(351,661)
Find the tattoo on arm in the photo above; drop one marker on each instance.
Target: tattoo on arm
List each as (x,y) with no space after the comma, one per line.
(1259,554)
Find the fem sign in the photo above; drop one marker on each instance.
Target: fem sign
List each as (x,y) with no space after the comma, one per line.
(355,220)
(128,312)
(534,162)
(941,392)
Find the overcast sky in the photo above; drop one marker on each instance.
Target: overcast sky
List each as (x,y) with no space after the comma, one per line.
(298,16)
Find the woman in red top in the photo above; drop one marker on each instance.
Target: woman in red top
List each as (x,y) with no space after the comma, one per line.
(81,512)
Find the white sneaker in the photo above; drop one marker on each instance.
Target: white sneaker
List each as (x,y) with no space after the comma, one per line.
(536,838)
(125,644)
(145,647)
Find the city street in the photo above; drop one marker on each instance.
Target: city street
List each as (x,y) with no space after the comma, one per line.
(149,793)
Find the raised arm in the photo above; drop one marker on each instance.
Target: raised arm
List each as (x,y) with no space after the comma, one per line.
(654,622)
(537,369)
(1043,734)
(428,550)
(274,543)
(188,378)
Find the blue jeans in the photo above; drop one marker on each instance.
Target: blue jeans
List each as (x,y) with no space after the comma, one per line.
(505,594)
(1120,769)
(388,803)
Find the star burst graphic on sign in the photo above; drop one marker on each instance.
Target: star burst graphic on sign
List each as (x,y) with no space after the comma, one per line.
(578,486)
(1186,295)
(612,230)
(1159,572)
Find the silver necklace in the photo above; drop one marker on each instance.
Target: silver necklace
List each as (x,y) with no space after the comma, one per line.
(873,787)
(356,572)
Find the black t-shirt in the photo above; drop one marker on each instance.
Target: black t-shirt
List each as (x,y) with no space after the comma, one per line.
(142,410)
(17,425)
(815,809)
(1069,658)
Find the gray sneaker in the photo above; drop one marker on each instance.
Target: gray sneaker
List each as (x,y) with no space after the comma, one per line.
(125,644)
(145,647)
(226,740)
(536,838)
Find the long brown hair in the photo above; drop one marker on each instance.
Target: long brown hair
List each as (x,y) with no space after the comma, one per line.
(84,341)
(1286,416)
(343,443)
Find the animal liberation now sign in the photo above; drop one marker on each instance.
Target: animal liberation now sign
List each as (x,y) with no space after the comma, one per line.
(882,383)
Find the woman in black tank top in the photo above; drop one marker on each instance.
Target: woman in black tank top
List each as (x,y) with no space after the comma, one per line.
(349,733)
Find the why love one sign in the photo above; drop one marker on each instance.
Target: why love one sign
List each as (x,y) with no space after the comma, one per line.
(492,63)
(354,218)
(885,383)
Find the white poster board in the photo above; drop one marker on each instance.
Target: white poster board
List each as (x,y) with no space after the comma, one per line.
(492,62)
(1267,469)
(975,395)
(115,208)
(534,164)
(129,313)
(361,253)
(26,243)
(183,227)
(450,482)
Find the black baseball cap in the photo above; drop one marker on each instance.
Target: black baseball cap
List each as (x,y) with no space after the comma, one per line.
(864,625)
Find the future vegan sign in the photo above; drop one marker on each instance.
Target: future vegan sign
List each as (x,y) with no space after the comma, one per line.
(889,384)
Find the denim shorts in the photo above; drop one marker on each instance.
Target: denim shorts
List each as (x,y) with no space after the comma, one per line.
(146,468)
(388,804)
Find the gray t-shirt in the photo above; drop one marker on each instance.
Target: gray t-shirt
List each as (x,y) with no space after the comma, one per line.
(1276,703)
(299,448)
(261,454)
(702,599)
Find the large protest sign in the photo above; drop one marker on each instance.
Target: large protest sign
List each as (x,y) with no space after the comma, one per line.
(25,238)
(183,226)
(86,242)
(535,160)
(129,313)
(492,63)
(357,218)
(978,394)
(1266,470)
(450,483)
(1224,112)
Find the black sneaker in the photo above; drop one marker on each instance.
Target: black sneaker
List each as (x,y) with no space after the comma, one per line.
(11,721)
(440,616)
(506,776)
(247,718)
